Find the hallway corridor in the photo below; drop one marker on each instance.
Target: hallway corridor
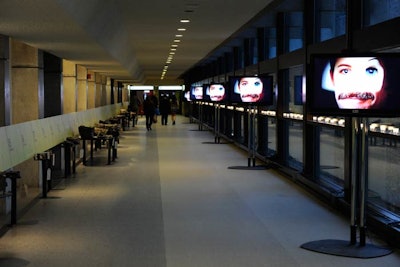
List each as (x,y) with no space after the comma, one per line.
(170,200)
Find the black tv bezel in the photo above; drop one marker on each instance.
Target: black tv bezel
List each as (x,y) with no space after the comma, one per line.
(268,98)
(314,86)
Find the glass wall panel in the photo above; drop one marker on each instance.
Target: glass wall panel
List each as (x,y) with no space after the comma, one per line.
(383,170)
(296,144)
(376,11)
(296,90)
(294,31)
(271,42)
(272,144)
(332,154)
(331,19)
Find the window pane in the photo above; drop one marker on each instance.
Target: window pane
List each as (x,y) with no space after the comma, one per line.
(296,90)
(383,170)
(271,137)
(332,154)
(271,43)
(331,19)
(294,31)
(296,145)
(377,11)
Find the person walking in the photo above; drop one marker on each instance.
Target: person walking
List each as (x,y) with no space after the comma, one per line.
(174,110)
(165,109)
(149,109)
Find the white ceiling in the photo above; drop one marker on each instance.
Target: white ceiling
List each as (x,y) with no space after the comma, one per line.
(127,40)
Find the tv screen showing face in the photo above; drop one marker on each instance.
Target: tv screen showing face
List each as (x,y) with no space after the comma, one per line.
(196,93)
(217,92)
(355,85)
(256,90)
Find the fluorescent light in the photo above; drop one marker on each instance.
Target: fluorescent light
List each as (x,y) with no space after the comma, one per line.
(185,20)
(178,35)
(170,87)
(181,29)
(140,87)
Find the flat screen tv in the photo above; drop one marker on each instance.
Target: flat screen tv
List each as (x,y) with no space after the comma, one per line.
(252,90)
(364,85)
(216,92)
(196,93)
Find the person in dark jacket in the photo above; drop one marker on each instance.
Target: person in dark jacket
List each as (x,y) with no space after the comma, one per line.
(149,109)
(165,109)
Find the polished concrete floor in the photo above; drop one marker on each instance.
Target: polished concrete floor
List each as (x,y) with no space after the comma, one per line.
(171,200)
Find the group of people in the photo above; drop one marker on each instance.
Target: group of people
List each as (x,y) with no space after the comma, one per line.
(166,106)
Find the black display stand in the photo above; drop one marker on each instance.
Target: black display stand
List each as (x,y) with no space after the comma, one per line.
(251,160)
(13,176)
(217,133)
(359,192)
(46,159)
(200,114)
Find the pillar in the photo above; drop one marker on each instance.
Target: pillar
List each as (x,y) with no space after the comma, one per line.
(69,87)
(5,93)
(82,88)
(91,90)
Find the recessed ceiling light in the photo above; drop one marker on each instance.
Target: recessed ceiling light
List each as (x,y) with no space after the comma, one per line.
(178,35)
(185,20)
(174,45)
(181,29)
(177,41)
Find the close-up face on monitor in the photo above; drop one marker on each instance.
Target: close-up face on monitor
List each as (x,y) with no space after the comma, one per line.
(357,81)
(217,92)
(365,84)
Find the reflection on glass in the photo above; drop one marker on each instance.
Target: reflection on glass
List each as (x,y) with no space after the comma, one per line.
(271,137)
(377,11)
(383,171)
(296,145)
(332,154)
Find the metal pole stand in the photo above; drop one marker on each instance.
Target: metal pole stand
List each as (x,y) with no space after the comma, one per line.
(13,176)
(358,207)
(251,160)
(46,161)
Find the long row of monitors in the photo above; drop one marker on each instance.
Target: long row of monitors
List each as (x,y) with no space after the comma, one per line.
(365,85)
(255,90)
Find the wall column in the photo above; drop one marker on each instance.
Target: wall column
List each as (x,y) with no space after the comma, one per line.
(108,91)
(70,87)
(27,97)
(91,96)
(98,90)
(82,92)
(5,94)
(26,89)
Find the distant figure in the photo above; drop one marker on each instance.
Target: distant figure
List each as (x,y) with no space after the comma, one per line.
(165,109)
(174,110)
(149,109)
